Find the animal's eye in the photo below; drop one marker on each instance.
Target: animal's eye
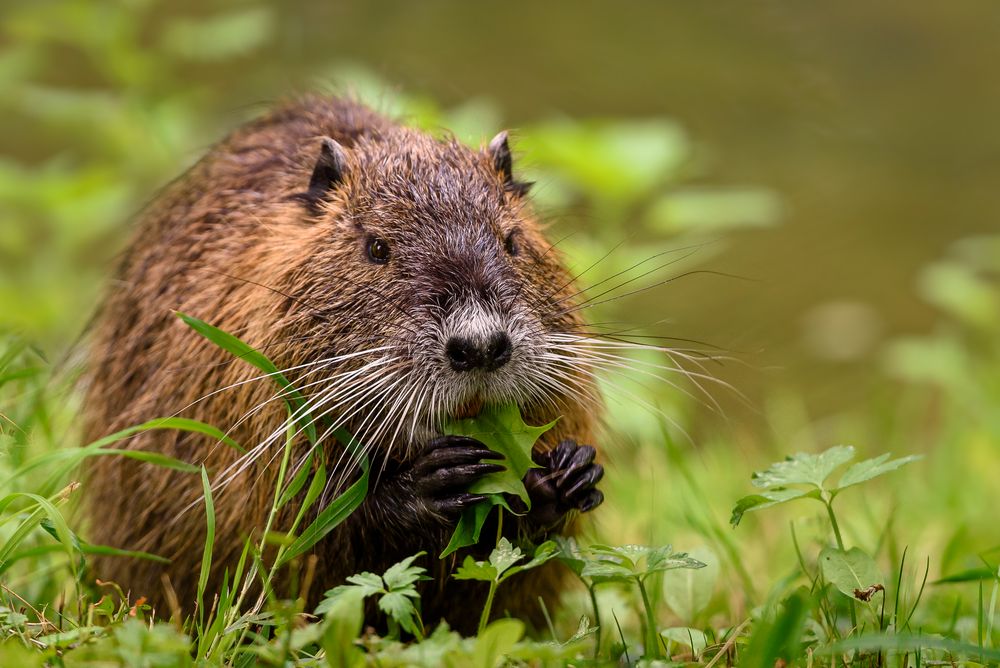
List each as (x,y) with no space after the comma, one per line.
(511,244)
(378,250)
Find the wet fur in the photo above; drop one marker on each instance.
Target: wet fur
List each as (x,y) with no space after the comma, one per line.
(242,243)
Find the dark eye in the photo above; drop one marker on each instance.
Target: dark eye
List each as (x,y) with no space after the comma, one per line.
(378,250)
(511,244)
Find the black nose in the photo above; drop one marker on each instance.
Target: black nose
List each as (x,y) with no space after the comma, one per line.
(466,353)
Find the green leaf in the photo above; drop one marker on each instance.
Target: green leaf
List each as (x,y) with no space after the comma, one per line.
(849,571)
(316,486)
(496,641)
(713,210)
(971,575)
(396,589)
(544,552)
(663,558)
(693,638)
(242,350)
(771,497)
(222,36)
(606,563)
(43,508)
(362,585)
(571,554)
(502,430)
(298,482)
(475,570)
(502,560)
(71,457)
(153,458)
(611,160)
(583,629)
(811,470)
(437,649)
(369,583)
(328,519)
(633,562)
(470,525)
(187,424)
(206,556)
(344,616)
(804,468)
(779,638)
(607,571)
(90,548)
(400,607)
(688,590)
(403,575)
(872,468)
(505,555)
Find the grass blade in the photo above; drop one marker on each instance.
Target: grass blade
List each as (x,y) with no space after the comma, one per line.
(250,355)
(206,555)
(328,519)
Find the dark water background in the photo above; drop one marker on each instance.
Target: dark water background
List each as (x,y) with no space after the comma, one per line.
(876,124)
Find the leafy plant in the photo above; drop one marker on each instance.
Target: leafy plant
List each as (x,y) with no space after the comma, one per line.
(501,565)
(396,591)
(853,572)
(632,564)
(803,476)
(502,430)
(636,563)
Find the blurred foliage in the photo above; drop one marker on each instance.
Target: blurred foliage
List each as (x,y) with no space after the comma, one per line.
(105,91)
(960,359)
(106,101)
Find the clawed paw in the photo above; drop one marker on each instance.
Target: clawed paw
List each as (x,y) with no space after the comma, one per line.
(567,481)
(444,473)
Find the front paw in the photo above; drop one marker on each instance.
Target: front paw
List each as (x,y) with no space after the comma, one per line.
(567,481)
(446,470)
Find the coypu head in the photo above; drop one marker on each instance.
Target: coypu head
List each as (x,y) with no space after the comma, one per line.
(433,279)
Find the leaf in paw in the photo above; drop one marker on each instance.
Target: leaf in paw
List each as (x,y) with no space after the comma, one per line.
(444,473)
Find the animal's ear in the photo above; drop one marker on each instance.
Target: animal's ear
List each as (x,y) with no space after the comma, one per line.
(499,151)
(331,165)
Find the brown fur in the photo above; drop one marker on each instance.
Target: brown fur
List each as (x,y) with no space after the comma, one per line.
(232,242)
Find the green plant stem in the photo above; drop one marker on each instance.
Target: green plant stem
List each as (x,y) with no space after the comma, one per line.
(597,620)
(833,523)
(278,488)
(499,526)
(485,617)
(840,546)
(394,631)
(652,646)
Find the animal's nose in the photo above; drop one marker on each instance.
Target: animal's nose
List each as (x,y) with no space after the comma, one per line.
(467,353)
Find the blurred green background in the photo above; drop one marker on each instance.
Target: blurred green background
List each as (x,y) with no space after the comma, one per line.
(824,155)
(837,162)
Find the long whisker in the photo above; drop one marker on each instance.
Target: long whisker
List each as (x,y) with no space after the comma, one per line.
(307,407)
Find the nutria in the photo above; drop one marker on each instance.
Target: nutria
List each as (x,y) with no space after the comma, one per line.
(400,280)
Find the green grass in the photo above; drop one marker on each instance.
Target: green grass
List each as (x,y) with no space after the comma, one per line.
(662,573)
(825,556)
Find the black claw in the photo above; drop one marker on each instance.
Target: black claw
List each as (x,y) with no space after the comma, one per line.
(449,466)
(581,460)
(455,478)
(451,457)
(453,440)
(566,481)
(454,505)
(585,480)
(593,499)
(561,455)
